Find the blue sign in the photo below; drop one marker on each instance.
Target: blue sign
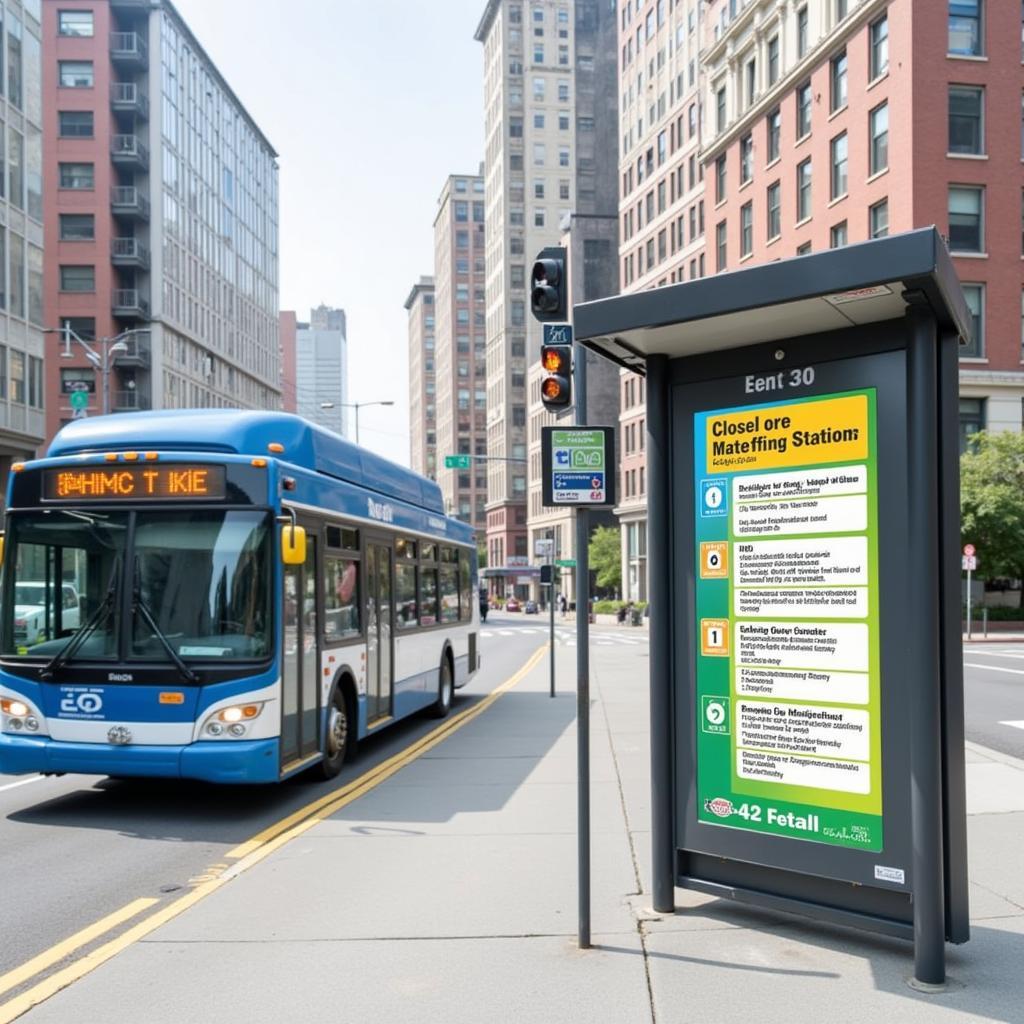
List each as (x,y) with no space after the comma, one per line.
(579,481)
(714,498)
(557,334)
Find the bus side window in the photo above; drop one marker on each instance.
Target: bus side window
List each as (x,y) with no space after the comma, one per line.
(465,588)
(341,598)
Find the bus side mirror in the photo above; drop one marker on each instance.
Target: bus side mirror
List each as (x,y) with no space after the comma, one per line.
(293,545)
(1,547)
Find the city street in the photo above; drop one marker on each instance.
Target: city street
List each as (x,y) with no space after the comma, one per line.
(78,848)
(994,696)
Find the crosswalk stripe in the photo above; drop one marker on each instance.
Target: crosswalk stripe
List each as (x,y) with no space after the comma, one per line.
(995,668)
(1016,725)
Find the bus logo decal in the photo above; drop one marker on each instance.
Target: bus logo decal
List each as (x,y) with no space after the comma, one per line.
(380,510)
(79,702)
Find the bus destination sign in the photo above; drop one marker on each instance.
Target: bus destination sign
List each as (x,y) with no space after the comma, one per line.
(131,483)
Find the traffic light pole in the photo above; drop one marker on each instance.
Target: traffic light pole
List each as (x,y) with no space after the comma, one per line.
(579,373)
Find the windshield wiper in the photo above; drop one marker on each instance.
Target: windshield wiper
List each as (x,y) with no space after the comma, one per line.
(140,606)
(70,649)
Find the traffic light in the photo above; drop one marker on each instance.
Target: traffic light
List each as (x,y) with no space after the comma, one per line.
(549,286)
(556,384)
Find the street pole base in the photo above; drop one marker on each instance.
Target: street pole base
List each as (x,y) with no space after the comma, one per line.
(928,988)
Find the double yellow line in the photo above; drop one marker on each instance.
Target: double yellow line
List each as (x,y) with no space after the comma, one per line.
(245,856)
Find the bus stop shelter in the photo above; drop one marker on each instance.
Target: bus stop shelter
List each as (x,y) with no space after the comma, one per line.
(806,675)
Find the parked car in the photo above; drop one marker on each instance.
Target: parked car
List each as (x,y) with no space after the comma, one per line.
(531,608)
(512,605)
(30,611)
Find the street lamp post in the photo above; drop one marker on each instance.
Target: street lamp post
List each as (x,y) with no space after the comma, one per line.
(99,355)
(354,405)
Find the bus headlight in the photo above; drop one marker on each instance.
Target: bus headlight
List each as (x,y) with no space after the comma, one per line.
(231,721)
(14,708)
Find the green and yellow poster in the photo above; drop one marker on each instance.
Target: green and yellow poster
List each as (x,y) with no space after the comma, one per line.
(788,722)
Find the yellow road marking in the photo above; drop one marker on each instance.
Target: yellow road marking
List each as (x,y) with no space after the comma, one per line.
(247,855)
(55,954)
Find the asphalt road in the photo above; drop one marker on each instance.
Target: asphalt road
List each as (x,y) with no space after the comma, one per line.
(77,848)
(994,696)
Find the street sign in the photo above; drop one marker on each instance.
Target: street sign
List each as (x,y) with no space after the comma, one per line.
(578,466)
(79,400)
(969,563)
(458,461)
(969,549)
(557,334)
(566,563)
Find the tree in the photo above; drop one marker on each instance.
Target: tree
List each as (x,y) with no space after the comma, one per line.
(606,558)
(992,502)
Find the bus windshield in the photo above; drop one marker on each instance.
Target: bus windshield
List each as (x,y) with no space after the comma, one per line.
(204,576)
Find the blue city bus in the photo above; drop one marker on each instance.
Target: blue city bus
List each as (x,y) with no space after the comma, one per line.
(223,595)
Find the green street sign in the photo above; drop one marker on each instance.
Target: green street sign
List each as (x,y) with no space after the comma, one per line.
(577,466)
(566,563)
(78,399)
(458,461)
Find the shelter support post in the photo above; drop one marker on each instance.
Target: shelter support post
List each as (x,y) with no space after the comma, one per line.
(924,559)
(659,540)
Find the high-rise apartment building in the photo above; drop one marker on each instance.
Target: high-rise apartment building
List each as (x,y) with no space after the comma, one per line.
(321,369)
(161,200)
(835,121)
(422,378)
(22,425)
(288,330)
(591,238)
(532,174)
(661,212)
(461,345)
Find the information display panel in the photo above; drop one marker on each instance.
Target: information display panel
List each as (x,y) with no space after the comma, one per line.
(789,722)
(132,483)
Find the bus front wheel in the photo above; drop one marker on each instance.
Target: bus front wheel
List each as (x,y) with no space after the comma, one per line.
(337,736)
(445,688)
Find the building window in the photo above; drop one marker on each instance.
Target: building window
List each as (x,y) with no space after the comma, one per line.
(77,278)
(78,176)
(841,9)
(838,235)
(538,154)
(751,81)
(972,419)
(839,153)
(746,229)
(803,190)
(803,250)
(746,158)
(965,28)
(75,124)
(720,110)
(563,156)
(803,110)
(966,220)
(773,60)
(75,74)
(878,219)
(720,236)
(975,296)
(801,32)
(538,121)
(77,227)
(720,166)
(879,48)
(879,121)
(837,95)
(74,23)
(538,218)
(966,119)
(774,210)
(774,121)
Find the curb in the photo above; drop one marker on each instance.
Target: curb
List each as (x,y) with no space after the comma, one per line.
(994,755)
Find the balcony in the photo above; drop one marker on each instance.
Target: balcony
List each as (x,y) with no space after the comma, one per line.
(130,401)
(128,201)
(128,50)
(129,151)
(129,252)
(128,303)
(128,98)
(136,351)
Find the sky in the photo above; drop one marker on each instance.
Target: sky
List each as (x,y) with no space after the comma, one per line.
(370,106)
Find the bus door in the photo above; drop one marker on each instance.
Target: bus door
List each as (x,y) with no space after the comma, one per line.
(300,678)
(379,657)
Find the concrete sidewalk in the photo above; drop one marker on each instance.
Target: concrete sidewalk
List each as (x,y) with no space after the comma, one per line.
(448,894)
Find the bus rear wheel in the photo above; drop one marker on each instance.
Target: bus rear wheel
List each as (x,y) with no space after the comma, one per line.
(445,689)
(337,739)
